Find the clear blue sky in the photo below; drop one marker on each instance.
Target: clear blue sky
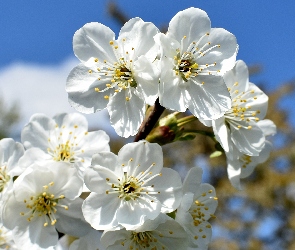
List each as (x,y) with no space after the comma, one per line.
(41,31)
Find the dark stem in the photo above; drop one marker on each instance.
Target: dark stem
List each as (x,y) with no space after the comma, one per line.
(147,126)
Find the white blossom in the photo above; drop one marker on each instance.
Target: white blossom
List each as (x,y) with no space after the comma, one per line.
(117,74)
(239,124)
(242,165)
(198,205)
(6,239)
(160,233)
(10,152)
(45,199)
(193,57)
(65,138)
(130,188)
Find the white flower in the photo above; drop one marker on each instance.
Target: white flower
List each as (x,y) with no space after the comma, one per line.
(193,55)
(6,239)
(130,188)
(242,165)
(117,74)
(46,199)
(239,126)
(10,152)
(63,138)
(197,207)
(160,233)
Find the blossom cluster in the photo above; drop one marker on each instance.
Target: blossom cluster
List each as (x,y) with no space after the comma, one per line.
(63,179)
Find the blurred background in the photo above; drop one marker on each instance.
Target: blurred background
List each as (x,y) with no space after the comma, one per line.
(36,56)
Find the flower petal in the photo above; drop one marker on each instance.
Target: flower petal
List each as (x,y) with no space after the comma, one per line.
(100,210)
(126,113)
(81,87)
(93,40)
(209,97)
(192,23)
(138,35)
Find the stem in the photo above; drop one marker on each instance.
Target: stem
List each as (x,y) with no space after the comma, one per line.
(195,131)
(185,120)
(147,126)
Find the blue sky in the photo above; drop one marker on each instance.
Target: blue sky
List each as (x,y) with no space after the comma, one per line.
(40,32)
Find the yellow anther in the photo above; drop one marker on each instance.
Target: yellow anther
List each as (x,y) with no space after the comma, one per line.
(96,89)
(106,97)
(111,42)
(90,71)
(96,59)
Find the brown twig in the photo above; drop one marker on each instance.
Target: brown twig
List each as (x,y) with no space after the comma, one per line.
(148,125)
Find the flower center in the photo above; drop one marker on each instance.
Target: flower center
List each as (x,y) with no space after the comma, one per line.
(119,73)
(64,152)
(186,67)
(240,113)
(5,239)
(4,178)
(130,188)
(144,239)
(246,159)
(44,203)
(186,63)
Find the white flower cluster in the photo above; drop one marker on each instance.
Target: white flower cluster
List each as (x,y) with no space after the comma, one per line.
(131,194)
(134,203)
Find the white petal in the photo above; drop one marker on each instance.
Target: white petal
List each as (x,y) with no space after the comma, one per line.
(100,210)
(10,153)
(139,35)
(95,178)
(133,214)
(36,132)
(126,116)
(221,133)
(33,155)
(216,53)
(209,100)
(237,79)
(147,78)
(81,87)
(71,221)
(247,169)
(192,23)
(70,121)
(192,180)
(268,127)
(92,143)
(257,100)
(234,172)
(107,160)
(248,141)
(93,40)
(170,187)
(143,154)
